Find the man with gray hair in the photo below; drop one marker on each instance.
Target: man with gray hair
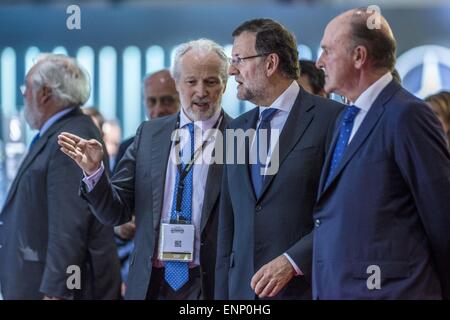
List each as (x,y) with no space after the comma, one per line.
(169,197)
(51,247)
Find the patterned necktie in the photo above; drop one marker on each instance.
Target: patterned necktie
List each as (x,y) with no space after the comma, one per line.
(35,139)
(177,272)
(255,169)
(345,131)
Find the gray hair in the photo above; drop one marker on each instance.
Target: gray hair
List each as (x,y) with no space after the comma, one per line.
(67,79)
(204,46)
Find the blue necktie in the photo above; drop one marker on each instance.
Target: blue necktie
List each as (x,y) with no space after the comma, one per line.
(35,139)
(345,131)
(177,272)
(255,169)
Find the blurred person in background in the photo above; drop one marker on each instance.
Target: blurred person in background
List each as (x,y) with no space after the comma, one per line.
(95,115)
(311,78)
(440,104)
(112,135)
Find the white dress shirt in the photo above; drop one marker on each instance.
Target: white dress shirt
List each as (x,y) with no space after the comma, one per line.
(366,100)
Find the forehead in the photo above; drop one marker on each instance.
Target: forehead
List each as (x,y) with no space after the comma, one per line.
(160,83)
(244,43)
(200,64)
(335,33)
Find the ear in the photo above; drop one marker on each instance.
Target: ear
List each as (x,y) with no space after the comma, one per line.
(359,56)
(44,95)
(272,64)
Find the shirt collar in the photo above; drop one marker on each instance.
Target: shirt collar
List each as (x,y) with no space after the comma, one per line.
(368,97)
(286,100)
(203,125)
(53,119)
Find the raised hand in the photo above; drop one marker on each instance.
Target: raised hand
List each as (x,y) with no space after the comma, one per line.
(88,154)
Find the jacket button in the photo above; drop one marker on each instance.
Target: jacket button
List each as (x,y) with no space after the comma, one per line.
(317,223)
(1,223)
(202,243)
(258,208)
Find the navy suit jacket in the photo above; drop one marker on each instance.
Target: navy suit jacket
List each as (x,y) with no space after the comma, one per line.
(387,206)
(255,230)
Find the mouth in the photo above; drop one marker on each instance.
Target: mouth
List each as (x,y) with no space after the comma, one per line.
(201,105)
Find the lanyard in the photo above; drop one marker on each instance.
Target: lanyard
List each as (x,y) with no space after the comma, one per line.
(183,172)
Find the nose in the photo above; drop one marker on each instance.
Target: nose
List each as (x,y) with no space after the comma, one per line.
(232,70)
(319,62)
(201,90)
(157,111)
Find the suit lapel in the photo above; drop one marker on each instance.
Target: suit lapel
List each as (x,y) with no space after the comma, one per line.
(249,123)
(363,132)
(212,187)
(160,150)
(296,124)
(36,149)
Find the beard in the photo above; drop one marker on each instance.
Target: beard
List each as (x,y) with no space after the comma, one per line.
(252,95)
(31,114)
(196,114)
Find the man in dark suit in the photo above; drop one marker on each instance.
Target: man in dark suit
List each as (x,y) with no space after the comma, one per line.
(265,225)
(47,234)
(382,214)
(150,183)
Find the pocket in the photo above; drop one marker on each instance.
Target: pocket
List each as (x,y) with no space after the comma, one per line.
(388,270)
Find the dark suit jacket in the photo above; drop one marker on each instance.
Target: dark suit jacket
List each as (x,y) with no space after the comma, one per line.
(137,188)
(253,231)
(47,227)
(123,148)
(387,206)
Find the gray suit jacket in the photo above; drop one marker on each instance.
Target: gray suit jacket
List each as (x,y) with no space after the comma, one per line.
(47,227)
(253,231)
(138,187)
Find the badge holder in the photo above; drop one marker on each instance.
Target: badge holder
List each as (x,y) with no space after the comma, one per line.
(176,241)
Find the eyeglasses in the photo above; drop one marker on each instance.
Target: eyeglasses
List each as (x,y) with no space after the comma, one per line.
(239,60)
(163,100)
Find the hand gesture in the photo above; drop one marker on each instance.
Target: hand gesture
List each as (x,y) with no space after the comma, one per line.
(88,154)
